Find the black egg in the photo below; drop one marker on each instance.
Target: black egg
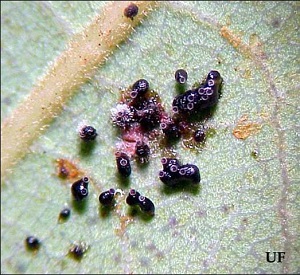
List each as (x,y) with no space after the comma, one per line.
(181,76)
(123,164)
(88,133)
(199,135)
(149,116)
(140,87)
(133,197)
(186,103)
(106,197)
(202,97)
(170,165)
(131,11)
(173,173)
(146,205)
(77,251)
(171,130)
(65,213)
(80,189)
(32,243)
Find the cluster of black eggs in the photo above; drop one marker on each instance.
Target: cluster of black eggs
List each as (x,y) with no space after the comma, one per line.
(173,172)
(202,97)
(80,191)
(147,112)
(142,152)
(134,198)
(141,109)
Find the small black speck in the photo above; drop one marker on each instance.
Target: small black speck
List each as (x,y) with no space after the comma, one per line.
(142,151)
(255,153)
(32,243)
(131,11)
(65,213)
(77,250)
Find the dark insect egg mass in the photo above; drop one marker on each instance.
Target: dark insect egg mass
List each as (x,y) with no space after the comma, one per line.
(80,188)
(131,11)
(88,133)
(32,243)
(181,76)
(202,97)
(123,164)
(173,172)
(106,197)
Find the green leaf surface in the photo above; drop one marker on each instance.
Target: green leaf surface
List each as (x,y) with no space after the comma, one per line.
(244,207)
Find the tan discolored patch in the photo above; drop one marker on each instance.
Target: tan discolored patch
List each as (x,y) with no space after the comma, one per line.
(125,220)
(245,128)
(247,74)
(253,50)
(233,39)
(68,170)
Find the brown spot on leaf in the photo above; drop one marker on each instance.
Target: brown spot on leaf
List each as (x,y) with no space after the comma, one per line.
(124,221)
(254,49)
(67,170)
(234,40)
(245,128)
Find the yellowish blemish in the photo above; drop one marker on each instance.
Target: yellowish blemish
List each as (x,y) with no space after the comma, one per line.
(245,128)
